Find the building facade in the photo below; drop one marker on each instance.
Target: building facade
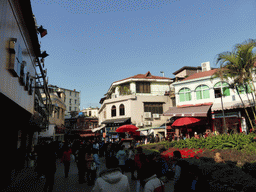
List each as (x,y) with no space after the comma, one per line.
(138,100)
(91,112)
(72,101)
(19,53)
(56,129)
(199,95)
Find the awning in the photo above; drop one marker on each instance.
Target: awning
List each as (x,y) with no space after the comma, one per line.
(120,120)
(87,135)
(98,128)
(147,128)
(192,111)
(229,105)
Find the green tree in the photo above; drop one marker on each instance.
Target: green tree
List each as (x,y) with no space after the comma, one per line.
(238,66)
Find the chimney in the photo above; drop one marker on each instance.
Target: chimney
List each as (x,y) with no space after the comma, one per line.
(74,89)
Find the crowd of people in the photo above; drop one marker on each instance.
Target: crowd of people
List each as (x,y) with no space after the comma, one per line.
(152,171)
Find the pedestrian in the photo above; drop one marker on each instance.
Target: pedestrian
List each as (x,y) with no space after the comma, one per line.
(183,180)
(196,136)
(66,158)
(131,162)
(89,160)
(112,179)
(81,163)
(50,167)
(139,159)
(121,156)
(157,138)
(150,180)
(161,167)
(97,162)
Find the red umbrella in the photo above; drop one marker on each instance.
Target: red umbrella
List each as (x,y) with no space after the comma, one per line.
(127,128)
(185,121)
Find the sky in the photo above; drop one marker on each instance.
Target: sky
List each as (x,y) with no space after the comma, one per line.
(92,43)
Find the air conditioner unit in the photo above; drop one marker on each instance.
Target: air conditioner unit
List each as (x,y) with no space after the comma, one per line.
(205,66)
(147,115)
(156,116)
(148,123)
(140,124)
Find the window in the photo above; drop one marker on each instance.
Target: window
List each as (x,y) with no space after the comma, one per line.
(75,101)
(70,101)
(105,115)
(75,108)
(143,87)
(121,110)
(185,94)
(124,89)
(221,88)
(202,92)
(153,108)
(75,94)
(69,108)
(113,111)
(90,113)
(70,93)
(243,89)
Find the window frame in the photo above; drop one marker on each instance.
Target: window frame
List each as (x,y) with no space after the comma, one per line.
(184,94)
(221,87)
(153,107)
(121,110)
(113,111)
(199,89)
(143,87)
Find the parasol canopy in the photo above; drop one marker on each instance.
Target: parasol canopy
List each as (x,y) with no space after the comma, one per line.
(185,121)
(126,128)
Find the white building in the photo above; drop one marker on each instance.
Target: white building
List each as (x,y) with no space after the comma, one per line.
(138,100)
(72,101)
(91,112)
(199,95)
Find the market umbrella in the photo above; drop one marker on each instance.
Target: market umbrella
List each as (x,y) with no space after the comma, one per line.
(126,128)
(185,121)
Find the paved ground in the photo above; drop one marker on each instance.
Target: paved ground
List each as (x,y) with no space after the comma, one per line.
(27,182)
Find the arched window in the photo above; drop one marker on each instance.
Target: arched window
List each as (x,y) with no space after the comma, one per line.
(121,110)
(185,94)
(202,92)
(113,111)
(221,88)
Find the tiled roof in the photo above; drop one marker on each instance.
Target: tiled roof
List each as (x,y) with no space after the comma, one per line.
(145,76)
(201,74)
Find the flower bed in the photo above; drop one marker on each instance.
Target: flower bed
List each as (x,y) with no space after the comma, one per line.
(185,153)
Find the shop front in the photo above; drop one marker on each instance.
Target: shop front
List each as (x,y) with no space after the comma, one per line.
(187,120)
(111,127)
(233,122)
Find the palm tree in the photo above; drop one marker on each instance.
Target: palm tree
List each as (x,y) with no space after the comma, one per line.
(238,66)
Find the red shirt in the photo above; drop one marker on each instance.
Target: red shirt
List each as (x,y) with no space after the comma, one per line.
(66,155)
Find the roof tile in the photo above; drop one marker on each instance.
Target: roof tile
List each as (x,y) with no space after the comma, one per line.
(201,74)
(144,76)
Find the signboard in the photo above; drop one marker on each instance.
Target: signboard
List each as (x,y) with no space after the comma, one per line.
(229,114)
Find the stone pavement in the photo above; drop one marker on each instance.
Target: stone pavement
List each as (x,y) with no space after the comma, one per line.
(27,182)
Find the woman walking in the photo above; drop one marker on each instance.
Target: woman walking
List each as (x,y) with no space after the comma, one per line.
(121,156)
(81,163)
(89,160)
(66,159)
